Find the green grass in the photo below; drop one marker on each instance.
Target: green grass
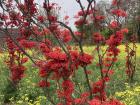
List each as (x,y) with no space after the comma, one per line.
(28,84)
(119,78)
(89,49)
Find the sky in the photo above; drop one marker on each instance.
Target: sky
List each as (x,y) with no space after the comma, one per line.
(68,7)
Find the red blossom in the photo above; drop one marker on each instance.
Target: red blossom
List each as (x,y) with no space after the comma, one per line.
(24,60)
(124,30)
(44,48)
(44,84)
(77,33)
(57,55)
(68,89)
(66,36)
(95,102)
(85,58)
(99,18)
(27,44)
(17,73)
(78,101)
(97,37)
(89,72)
(80,13)
(108,71)
(42,73)
(40,18)
(114,24)
(80,22)
(114,2)
(119,12)
(52,18)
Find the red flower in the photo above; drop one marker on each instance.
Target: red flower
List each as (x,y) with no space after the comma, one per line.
(97,37)
(115,40)
(53,27)
(109,72)
(114,24)
(27,44)
(41,19)
(68,88)
(17,72)
(88,71)
(66,35)
(44,83)
(95,102)
(80,13)
(125,30)
(114,2)
(77,33)
(106,79)
(52,18)
(85,58)
(80,22)
(99,18)
(44,48)
(42,73)
(23,60)
(78,101)
(57,55)
(119,12)
(45,31)
(97,86)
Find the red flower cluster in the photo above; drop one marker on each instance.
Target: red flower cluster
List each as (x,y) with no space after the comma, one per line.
(80,22)
(17,72)
(60,63)
(119,12)
(15,62)
(98,90)
(114,25)
(110,102)
(41,19)
(44,84)
(97,37)
(27,44)
(68,89)
(99,18)
(114,2)
(85,59)
(52,18)
(83,98)
(66,36)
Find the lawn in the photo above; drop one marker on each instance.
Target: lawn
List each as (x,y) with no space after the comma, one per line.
(28,93)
